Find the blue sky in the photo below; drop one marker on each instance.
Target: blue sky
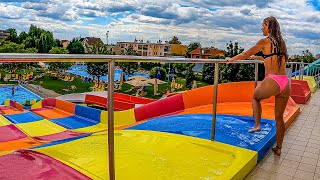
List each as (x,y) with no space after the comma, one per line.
(212,23)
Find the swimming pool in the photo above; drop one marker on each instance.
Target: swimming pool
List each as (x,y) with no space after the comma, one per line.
(20,93)
(81,70)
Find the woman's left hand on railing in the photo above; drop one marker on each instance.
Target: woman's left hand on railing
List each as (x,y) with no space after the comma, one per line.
(229,60)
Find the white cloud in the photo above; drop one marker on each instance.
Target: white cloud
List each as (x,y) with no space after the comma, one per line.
(209,22)
(11,12)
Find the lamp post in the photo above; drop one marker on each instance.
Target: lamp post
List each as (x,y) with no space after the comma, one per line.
(107,34)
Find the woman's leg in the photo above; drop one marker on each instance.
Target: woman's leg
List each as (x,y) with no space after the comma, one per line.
(280,105)
(266,89)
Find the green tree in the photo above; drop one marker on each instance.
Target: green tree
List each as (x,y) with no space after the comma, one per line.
(75,47)
(230,72)
(233,49)
(235,72)
(58,50)
(129,66)
(13,36)
(11,47)
(180,68)
(59,66)
(190,76)
(40,39)
(45,42)
(97,69)
(22,36)
(307,57)
(174,40)
(57,43)
(31,50)
(149,65)
(29,42)
(99,48)
(208,70)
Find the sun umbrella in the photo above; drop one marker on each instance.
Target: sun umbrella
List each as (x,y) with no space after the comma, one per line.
(155,88)
(194,85)
(171,75)
(159,73)
(153,81)
(173,83)
(138,82)
(121,78)
(137,77)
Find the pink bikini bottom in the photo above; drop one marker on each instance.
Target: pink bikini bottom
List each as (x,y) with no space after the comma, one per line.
(282,80)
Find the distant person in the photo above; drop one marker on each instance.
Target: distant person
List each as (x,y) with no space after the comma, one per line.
(123,76)
(12,90)
(273,51)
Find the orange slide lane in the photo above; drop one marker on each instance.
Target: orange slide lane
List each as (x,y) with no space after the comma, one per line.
(26,142)
(233,98)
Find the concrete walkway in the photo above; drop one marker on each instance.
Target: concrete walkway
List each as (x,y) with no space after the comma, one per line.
(301,148)
(42,92)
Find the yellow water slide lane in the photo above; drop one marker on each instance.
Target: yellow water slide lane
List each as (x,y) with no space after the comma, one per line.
(40,128)
(4,121)
(37,105)
(121,118)
(154,155)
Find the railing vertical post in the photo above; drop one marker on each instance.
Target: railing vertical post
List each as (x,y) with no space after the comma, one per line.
(291,66)
(301,71)
(290,74)
(314,71)
(111,119)
(300,66)
(256,74)
(215,95)
(294,70)
(318,76)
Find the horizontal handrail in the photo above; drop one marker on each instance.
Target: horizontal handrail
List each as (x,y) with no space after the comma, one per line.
(29,57)
(25,57)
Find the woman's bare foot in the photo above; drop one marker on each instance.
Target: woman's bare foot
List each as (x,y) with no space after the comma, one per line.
(277,150)
(256,128)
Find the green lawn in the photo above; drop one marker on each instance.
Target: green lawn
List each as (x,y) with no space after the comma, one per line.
(57,85)
(161,88)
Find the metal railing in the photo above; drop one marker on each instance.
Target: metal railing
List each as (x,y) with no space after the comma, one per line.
(299,69)
(111,59)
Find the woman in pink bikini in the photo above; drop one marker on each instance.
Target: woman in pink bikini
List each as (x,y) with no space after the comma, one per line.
(273,51)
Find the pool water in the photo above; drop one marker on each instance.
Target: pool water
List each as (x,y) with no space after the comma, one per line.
(20,93)
(81,70)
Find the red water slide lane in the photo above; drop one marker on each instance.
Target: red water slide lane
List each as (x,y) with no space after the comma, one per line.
(160,108)
(121,101)
(27,164)
(300,91)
